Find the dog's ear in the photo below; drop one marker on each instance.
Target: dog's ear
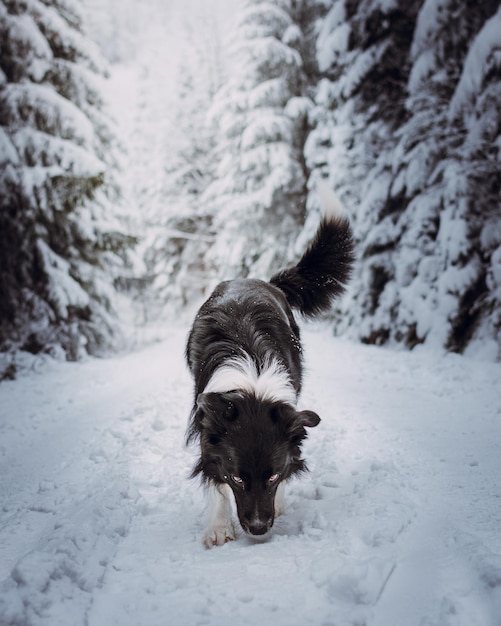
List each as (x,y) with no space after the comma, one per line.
(297,420)
(217,405)
(300,420)
(308,418)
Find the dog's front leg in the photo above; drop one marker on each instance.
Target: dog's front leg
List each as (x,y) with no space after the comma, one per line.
(280,500)
(221,527)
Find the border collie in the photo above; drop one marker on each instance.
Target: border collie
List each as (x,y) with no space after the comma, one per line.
(245,355)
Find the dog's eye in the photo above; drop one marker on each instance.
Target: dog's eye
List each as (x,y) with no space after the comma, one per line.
(273,479)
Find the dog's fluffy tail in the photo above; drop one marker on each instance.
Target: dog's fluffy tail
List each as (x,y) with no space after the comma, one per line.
(322,273)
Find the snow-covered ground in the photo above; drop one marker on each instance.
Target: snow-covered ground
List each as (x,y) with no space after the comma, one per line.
(397,523)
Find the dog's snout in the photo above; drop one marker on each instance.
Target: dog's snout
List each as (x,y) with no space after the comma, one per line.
(259,528)
(258,525)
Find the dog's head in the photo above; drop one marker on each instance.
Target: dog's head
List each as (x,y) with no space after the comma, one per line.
(252,445)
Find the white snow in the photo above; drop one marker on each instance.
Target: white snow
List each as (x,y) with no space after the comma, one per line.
(27,37)
(431,18)
(63,290)
(58,112)
(396,523)
(333,36)
(484,56)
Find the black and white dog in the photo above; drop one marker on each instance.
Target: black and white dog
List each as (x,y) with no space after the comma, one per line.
(245,355)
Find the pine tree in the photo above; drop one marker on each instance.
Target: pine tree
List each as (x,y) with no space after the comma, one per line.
(257,198)
(179,224)
(475,108)
(62,239)
(407,124)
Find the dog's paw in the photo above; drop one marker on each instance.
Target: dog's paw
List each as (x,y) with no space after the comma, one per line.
(219,535)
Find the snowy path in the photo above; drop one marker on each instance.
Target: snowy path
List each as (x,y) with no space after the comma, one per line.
(398,522)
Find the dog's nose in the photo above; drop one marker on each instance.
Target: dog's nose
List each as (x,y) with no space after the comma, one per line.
(258,528)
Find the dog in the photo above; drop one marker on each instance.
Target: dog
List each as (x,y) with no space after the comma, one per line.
(245,355)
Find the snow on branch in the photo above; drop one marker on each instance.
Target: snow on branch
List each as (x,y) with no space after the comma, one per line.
(484,58)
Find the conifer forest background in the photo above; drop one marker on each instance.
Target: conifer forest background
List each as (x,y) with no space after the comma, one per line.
(149,150)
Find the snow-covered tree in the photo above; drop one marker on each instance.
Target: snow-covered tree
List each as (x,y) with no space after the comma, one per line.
(62,239)
(244,220)
(407,126)
(258,196)
(180,81)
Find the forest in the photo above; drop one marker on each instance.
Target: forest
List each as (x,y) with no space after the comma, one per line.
(123,202)
(150,149)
